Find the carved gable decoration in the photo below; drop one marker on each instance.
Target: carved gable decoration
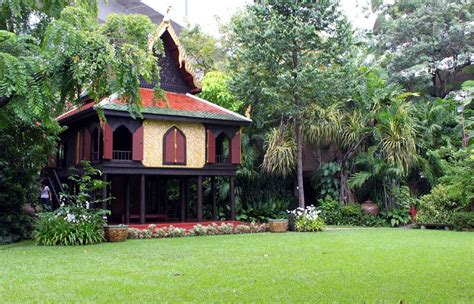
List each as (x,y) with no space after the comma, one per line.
(176,74)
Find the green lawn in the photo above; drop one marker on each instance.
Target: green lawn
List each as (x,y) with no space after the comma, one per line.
(346,266)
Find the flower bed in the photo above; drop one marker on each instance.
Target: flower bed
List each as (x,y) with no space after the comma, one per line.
(152,232)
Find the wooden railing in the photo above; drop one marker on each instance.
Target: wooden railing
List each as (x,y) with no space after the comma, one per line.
(121,155)
(222,159)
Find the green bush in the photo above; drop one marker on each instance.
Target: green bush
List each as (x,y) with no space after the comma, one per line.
(65,228)
(307,219)
(330,211)
(438,206)
(397,216)
(463,220)
(333,213)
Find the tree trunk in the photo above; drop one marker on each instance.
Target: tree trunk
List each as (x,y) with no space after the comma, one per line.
(4,100)
(299,164)
(345,192)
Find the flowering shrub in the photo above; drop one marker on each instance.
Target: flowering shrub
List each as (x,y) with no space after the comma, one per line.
(197,230)
(70,225)
(307,219)
(75,222)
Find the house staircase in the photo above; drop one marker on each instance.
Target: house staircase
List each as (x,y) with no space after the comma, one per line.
(50,178)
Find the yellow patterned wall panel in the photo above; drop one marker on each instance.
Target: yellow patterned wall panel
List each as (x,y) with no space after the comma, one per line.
(154,130)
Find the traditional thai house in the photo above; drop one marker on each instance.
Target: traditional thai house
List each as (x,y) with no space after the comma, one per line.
(183,141)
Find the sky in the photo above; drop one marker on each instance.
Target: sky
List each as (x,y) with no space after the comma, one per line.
(204,12)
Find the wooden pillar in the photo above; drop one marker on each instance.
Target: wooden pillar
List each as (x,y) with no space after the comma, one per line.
(199,199)
(232,197)
(182,198)
(165,195)
(127,199)
(104,191)
(142,199)
(214,198)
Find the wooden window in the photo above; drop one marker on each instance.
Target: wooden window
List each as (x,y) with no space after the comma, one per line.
(174,147)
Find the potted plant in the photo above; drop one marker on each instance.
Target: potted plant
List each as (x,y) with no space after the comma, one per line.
(278,225)
(115,233)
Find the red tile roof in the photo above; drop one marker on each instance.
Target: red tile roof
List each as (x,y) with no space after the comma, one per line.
(176,101)
(176,104)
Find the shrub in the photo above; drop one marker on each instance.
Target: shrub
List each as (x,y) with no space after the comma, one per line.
(308,219)
(242,229)
(198,230)
(463,220)
(397,217)
(69,226)
(437,207)
(226,228)
(330,211)
(325,180)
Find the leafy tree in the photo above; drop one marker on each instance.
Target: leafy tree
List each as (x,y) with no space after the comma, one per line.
(282,49)
(426,44)
(51,54)
(203,49)
(216,89)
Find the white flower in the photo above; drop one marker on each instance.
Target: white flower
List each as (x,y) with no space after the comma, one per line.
(87,205)
(70,217)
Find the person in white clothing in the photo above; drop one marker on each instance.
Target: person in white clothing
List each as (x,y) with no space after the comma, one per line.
(46,196)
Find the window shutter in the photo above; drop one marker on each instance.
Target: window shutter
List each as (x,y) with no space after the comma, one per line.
(174,147)
(137,145)
(211,147)
(169,148)
(180,144)
(87,145)
(235,148)
(108,142)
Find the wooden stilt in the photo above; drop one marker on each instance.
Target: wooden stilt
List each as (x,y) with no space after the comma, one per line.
(214,198)
(165,195)
(127,199)
(232,197)
(142,199)
(199,199)
(182,198)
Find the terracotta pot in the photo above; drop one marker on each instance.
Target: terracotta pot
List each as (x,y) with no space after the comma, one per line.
(116,233)
(278,225)
(369,207)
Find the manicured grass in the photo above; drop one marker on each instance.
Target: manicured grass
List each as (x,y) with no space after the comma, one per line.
(345,266)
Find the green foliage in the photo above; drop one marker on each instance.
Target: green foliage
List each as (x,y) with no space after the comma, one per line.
(306,219)
(75,222)
(438,206)
(21,156)
(326,180)
(463,220)
(272,207)
(280,152)
(215,88)
(426,44)
(280,53)
(203,50)
(69,226)
(397,217)
(334,213)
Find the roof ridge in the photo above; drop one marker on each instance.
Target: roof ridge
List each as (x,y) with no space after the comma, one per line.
(219,107)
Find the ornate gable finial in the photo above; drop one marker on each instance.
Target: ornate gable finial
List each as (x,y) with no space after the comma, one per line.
(166,18)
